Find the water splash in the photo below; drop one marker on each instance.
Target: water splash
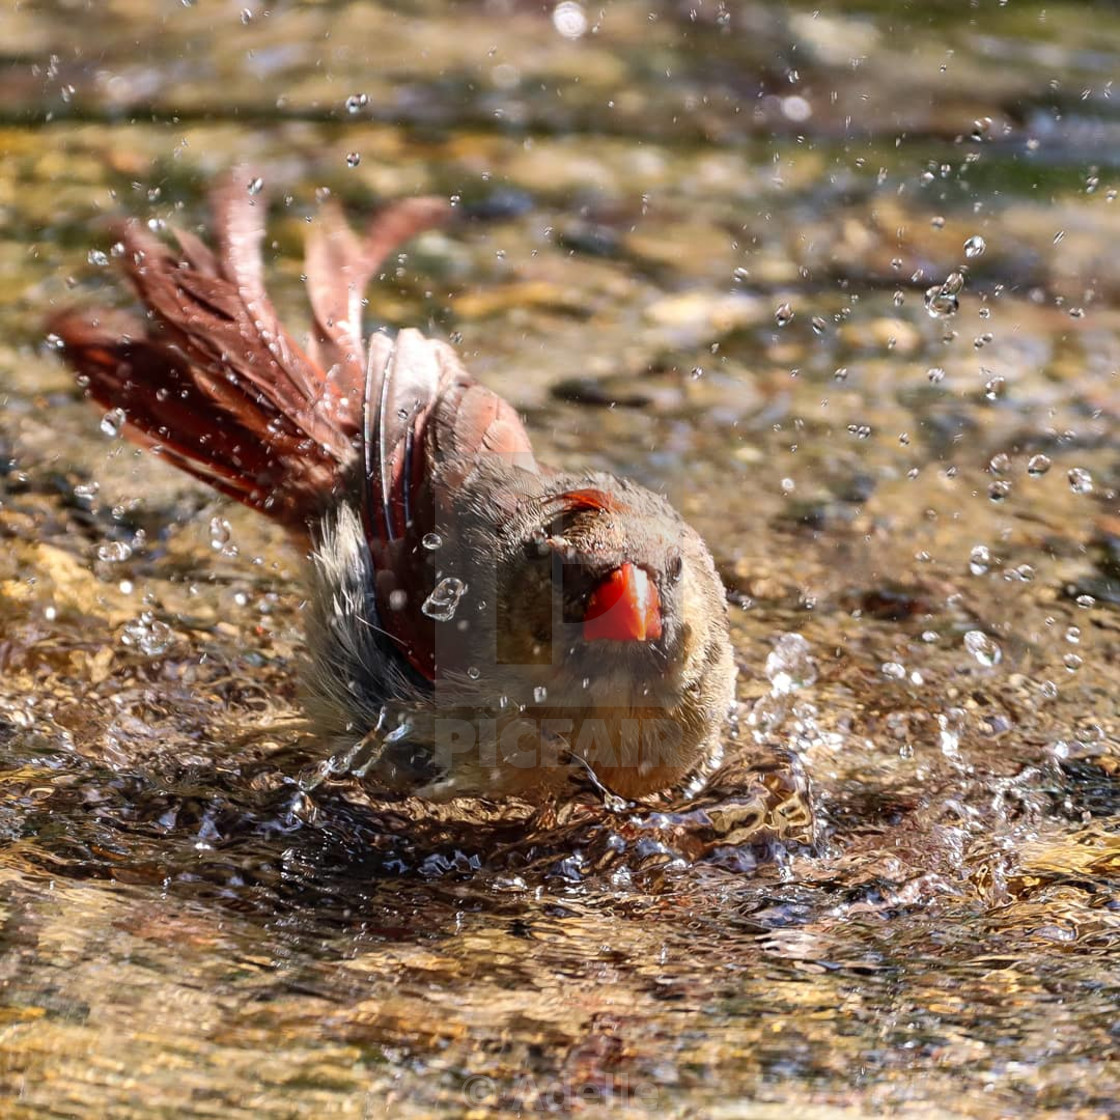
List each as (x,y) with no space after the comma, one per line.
(444,600)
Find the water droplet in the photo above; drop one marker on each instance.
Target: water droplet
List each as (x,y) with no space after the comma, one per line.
(444,599)
(148,634)
(256,185)
(569,19)
(790,665)
(1080,481)
(474,672)
(432,541)
(1072,662)
(114,552)
(540,694)
(97,257)
(999,463)
(818,324)
(935,374)
(951,724)
(999,490)
(112,422)
(783,313)
(840,374)
(860,431)
(941,304)
(979,560)
(975,246)
(893,670)
(1085,601)
(995,388)
(795,108)
(353,159)
(980,129)
(220,532)
(221,537)
(356,102)
(1038,465)
(87,491)
(984,648)
(1073,635)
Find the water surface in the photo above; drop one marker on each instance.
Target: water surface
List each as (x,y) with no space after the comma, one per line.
(696,245)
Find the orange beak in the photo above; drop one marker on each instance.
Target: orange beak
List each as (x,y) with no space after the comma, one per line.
(625,607)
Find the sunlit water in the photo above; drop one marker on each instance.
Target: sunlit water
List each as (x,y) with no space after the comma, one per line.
(845,286)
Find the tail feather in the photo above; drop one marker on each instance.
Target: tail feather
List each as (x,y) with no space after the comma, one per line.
(229,331)
(340,265)
(194,418)
(212,378)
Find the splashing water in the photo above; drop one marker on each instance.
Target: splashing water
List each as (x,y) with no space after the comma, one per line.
(790,665)
(444,600)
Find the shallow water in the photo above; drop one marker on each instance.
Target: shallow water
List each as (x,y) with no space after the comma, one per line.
(694,246)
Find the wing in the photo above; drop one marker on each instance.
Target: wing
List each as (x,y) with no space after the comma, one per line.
(428,424)
(340,266)
(213,381)
(211,378)
(193,417)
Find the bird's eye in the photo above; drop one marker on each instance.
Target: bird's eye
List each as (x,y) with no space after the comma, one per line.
(675,568)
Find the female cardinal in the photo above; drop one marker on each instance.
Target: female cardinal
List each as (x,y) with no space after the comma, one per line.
(479,624)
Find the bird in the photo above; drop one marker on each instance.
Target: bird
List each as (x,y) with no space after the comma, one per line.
(478,624)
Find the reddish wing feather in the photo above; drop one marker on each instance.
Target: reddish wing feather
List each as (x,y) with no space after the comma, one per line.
(167,406)
(340,266)
(213,377)
(426,417)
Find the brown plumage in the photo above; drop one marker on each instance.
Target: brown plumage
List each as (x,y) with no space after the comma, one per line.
(478,623)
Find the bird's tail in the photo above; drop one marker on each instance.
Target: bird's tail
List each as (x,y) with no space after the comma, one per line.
(212,381)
